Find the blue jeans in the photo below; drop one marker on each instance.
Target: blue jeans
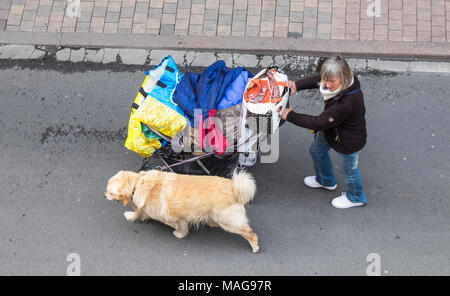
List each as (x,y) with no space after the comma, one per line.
(349,166)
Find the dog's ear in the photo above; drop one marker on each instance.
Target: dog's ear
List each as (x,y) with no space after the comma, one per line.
(124,199)
(131,181)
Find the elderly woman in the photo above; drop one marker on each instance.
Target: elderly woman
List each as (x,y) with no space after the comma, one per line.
(340,126)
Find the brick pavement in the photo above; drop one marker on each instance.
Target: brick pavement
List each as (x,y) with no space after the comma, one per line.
(383,20)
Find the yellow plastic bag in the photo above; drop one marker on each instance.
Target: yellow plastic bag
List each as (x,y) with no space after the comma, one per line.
(136,141)
(154,107)
(161,117)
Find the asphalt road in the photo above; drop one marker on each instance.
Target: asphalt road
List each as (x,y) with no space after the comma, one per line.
(62,130)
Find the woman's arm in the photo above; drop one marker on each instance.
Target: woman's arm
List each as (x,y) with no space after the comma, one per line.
(331,117)
(308,83)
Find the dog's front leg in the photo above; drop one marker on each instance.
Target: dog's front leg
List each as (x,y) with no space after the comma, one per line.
(182,229)
(131,216)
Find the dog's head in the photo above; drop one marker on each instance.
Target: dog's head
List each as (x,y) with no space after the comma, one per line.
(121,186)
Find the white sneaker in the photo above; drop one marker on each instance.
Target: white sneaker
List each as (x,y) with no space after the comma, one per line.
(342,202)
(311,182)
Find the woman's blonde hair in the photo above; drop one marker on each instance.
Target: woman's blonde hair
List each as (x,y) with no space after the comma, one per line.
(337,67)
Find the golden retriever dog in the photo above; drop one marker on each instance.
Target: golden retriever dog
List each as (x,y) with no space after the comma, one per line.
(183,200)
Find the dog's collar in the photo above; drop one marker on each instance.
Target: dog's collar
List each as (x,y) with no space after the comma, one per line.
(134,189)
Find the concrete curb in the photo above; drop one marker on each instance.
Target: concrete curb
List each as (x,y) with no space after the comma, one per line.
(409,51)
(142,57)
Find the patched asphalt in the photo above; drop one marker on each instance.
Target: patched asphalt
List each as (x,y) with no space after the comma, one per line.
(62,130)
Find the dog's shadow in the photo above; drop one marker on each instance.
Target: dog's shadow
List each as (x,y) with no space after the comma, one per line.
(200,237)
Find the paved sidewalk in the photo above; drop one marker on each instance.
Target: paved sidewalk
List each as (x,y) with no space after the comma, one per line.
(405,29)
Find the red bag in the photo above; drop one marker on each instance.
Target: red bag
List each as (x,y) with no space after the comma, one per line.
(265,90)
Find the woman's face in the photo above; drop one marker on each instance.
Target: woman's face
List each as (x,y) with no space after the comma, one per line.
(332,84)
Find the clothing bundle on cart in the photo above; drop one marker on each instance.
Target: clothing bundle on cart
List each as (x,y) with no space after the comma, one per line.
(208,116)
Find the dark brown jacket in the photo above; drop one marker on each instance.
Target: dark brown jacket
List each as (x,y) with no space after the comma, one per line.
(342,120)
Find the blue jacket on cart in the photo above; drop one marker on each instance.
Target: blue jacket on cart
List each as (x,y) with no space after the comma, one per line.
(216,88)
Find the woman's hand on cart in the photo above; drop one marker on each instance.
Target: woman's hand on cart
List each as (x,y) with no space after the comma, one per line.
(291,85)
(285,112)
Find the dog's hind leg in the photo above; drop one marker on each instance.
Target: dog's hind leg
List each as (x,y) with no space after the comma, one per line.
(246,232)
(251,237)
(211,223)
(171,224)
(181,229)
(234,220)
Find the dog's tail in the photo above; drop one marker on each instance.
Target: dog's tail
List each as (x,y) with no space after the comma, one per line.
(244,186)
